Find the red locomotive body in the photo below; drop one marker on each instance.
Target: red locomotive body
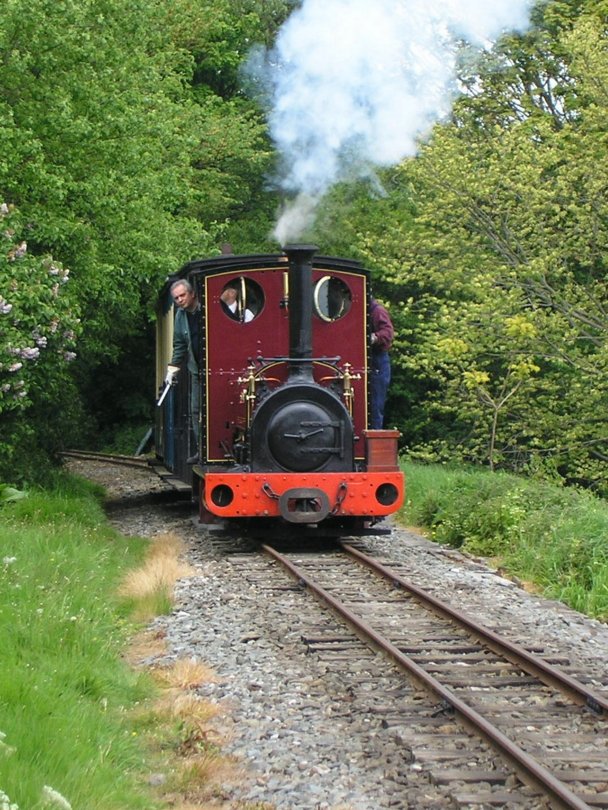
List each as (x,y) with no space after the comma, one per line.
(284,396)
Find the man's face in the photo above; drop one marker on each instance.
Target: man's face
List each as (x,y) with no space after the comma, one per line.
(229,296)
(182,297)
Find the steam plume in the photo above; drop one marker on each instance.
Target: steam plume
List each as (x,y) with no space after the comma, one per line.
(356,83)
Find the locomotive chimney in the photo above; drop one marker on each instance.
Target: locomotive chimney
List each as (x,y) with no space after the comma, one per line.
(300,311)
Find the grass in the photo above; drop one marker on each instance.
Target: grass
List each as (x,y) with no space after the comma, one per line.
(83,723)
(554,537)
(82,726)
(148,590)
(63,688)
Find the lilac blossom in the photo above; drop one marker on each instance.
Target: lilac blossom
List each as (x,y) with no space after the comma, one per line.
(30,353)
(50,796)
(15,367)
(18,252)
(5,802)
(5,307)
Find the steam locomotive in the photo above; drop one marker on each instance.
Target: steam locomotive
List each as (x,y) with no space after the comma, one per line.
(283,441)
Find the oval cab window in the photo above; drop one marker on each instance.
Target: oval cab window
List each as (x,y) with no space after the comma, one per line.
(242,299)
(332,298)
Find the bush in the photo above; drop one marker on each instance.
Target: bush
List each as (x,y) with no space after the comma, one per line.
(550,535)
(38,329)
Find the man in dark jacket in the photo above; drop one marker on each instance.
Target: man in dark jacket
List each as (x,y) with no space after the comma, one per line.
(382,338)
(185,345)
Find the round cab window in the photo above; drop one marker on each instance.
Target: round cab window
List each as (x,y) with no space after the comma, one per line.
(332,298)
(242,299)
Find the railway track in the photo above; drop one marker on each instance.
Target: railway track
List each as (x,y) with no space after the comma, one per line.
(138,462)
(548,728)
(507,726)
(170,485)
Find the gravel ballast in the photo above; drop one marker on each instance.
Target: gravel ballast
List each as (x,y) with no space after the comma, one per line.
(300,726)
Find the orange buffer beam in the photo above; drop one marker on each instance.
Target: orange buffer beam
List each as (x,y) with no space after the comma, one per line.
(238,495)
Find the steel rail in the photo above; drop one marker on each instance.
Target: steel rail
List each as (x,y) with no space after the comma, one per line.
(530,663)
(109,458)
(529,770)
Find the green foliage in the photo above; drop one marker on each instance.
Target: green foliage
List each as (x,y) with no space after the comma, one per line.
(552,536)
(63,686)
(124,439)
(10,494)
(38,331)
(127,149)
(39,322)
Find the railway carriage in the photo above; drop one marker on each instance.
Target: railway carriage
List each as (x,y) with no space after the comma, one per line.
(283,438)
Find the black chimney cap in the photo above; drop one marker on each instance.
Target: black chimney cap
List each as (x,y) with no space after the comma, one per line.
(293,248)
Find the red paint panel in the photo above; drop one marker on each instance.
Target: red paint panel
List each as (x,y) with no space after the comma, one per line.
(231,346)
(346,338)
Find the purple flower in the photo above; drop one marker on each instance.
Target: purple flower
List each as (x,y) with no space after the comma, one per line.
(30,353)
(15,367)
(5,307)
(69,356)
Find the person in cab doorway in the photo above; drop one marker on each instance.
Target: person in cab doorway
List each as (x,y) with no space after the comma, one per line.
(381,338)
(186,332)
(230,304)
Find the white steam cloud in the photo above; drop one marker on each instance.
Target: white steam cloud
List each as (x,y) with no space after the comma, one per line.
(356,83)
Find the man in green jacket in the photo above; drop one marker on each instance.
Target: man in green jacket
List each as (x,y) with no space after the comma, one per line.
(185,346)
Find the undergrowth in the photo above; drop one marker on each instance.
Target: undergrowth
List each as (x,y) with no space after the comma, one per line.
(554,537)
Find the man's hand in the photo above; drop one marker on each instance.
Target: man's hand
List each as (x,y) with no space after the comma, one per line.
(171,374)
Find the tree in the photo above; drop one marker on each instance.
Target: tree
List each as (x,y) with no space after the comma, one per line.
(502,264)
(122,157)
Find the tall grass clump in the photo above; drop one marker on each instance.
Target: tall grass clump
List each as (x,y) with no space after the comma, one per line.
(554,537)
(147,591)
(65,733)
